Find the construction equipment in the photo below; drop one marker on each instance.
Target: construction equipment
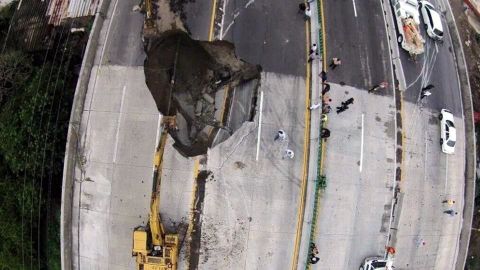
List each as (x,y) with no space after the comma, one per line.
(407,18)
(149,26)
(153,248)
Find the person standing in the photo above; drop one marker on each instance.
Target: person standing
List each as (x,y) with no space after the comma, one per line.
(348,102)
(449,202)
(289,153)
(281,135)
(326,88)
(313,55)
(313,48)
(376,87)
(308,13)
(342,109)
(428,87)
(424,94)
(325,133)
(450,212)
(326,109)
(323,75)
(335,62)
(315,106)
(302,7)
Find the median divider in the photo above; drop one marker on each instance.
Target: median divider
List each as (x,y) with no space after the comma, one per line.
(320,180)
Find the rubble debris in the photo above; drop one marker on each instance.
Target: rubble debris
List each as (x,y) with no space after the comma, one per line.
(192,80)
(197,220)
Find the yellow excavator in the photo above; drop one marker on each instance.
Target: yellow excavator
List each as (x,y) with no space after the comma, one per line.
(152,247)
(149,26)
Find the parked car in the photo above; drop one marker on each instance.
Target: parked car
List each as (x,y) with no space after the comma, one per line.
(376,263)
(432,20)
(448,133)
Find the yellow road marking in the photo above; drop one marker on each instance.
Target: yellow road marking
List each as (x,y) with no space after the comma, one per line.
(306,147)
(212,20)
(324,37)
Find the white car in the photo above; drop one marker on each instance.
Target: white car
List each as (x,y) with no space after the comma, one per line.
(448,133)
(376,263)
(432,20)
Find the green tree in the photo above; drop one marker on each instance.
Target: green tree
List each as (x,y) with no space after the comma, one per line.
(15,70)
(18,223)
(28,128)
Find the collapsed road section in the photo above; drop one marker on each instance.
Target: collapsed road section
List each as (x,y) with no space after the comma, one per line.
(196,81)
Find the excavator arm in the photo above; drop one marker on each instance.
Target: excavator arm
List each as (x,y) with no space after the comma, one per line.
(153,248)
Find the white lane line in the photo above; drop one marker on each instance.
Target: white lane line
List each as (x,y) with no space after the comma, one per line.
(259,125)
(117,134)
(361,146)
(354,8)
(446,174)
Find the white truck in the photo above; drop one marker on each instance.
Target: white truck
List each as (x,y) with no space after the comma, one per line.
(407,18)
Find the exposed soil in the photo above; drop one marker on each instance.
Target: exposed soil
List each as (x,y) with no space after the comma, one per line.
(178,7)
(197,221)
(184,76)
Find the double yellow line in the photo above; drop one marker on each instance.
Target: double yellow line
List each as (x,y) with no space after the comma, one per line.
(306,145)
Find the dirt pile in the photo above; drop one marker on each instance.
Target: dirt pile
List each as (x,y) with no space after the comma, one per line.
(189,79)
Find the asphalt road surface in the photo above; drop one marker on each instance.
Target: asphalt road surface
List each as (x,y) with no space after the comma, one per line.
(436,66)
(427,237)
(267,33)
(356,35)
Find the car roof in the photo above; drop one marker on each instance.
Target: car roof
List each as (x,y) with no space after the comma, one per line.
(436,20)
(452,132)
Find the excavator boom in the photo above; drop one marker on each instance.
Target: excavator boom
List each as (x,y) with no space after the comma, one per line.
(153,248)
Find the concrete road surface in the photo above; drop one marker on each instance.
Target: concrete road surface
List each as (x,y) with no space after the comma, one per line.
(120,130)
(427,237)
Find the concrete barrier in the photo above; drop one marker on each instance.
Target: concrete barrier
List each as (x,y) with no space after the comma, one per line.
(470,158)
(73,138)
